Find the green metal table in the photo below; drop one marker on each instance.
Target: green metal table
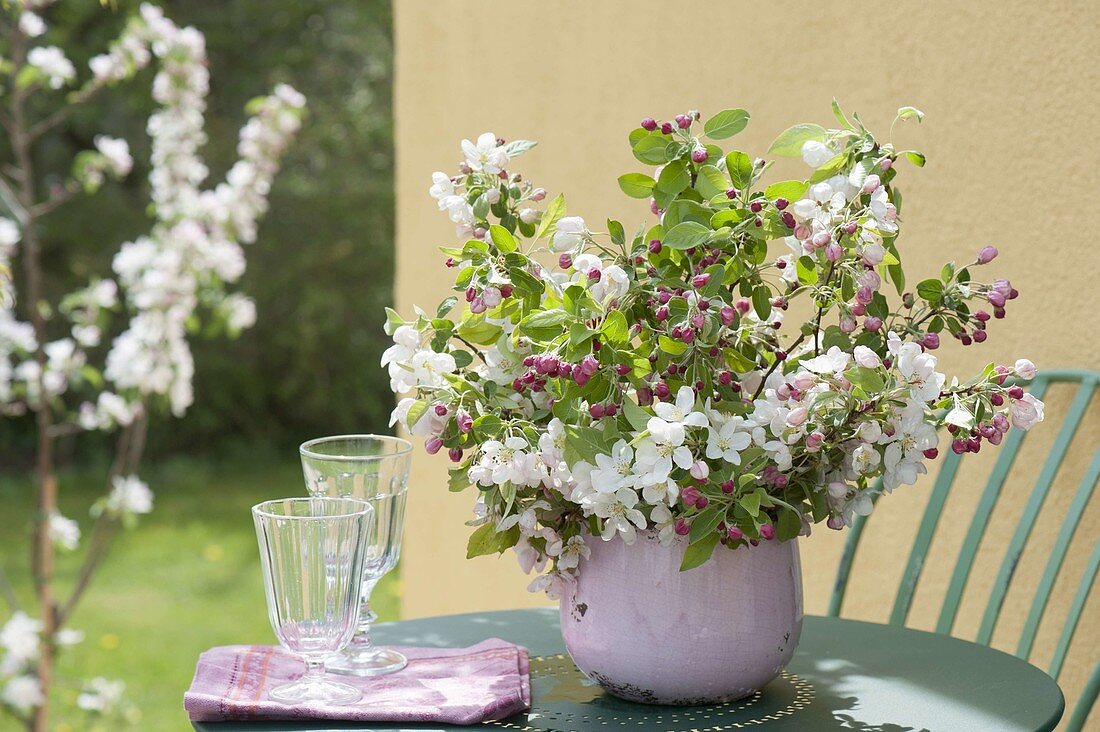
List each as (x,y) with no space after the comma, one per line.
(845,675)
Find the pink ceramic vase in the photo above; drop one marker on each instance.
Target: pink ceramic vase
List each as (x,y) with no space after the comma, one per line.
(645,631)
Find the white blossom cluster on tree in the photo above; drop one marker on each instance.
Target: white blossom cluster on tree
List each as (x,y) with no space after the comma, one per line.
(108,355)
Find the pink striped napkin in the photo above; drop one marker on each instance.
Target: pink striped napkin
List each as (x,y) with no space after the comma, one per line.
(486,681)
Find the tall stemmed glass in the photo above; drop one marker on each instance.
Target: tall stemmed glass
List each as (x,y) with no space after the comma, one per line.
(312,552)
(373,468)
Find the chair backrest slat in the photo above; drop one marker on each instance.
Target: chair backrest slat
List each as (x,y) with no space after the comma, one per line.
(1034,504)
(855,532)
(932,512)
(1075,610)
(1057,556)
(1088,696)
(961,574)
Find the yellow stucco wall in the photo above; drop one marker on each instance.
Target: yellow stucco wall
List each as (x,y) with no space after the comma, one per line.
(1010,89)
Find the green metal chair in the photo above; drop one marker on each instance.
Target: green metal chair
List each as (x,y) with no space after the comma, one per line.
(1088,381)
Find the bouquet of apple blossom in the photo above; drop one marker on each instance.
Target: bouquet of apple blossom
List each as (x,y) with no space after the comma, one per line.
(649,381)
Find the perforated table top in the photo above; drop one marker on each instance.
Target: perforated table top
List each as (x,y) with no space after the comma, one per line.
(845,675)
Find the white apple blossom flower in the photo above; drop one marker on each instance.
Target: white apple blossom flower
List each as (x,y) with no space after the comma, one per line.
(918,370)
(429,367)
(618,512)
(552,583)
(23,693)
(19,638)
(501,462)
(101,695)
(864,459)
(833,361)
(526,520)
(569,553)
(63,532)
(866,358)
(1025,369)
(665,524)
(442,188)
(130,495)
(884,212)
(53,64)
(664,448)
(616,470)
(117,154)
(485,154)
(682,411)
(816,153)
(31,24)
(10,233)
(904,455)
(1027,411)
(727,440)
(571,231)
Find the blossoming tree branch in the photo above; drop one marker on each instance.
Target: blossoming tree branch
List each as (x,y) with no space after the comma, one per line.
(114,352)
(650,380)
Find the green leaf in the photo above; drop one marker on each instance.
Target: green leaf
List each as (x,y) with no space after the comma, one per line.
(788,526)
(393,321)
(831,167)
(790,141)
(840,116)
(930,290)
(652,149)
(615,328)
(686,235)
(502,238)
(807,270)
(477,331)
(615,229)
(670,346)
(706,522)
(584,443)
(739,167)
(487,540)
(699,552)
(792,190)
(915,158)
(673,179)
(551,216)
(637,185)
(869,380)
(726,123)
(459,480)
(762,302)
(751,502)
(906,113)
(416,411)
(488,425)
(635,415)
(544,325)
(710,182)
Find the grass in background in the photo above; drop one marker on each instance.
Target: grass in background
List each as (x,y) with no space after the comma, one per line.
(187,578)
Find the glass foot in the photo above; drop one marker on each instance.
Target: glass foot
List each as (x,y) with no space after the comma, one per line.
(315,690)
(382,661)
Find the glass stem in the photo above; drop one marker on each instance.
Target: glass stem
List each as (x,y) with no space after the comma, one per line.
(315,671)
(362,645)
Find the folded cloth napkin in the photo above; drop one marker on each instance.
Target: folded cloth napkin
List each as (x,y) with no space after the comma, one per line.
(448,685)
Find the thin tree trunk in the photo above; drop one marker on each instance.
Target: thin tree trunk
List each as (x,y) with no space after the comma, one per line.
(43,551)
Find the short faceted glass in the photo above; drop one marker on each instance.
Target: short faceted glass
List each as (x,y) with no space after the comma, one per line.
(375,469)
(312,551)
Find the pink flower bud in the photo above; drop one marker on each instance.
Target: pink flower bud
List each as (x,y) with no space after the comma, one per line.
(666,128)
(455,454)
(699,470)
(931,341)
(441,410)
(833,252)
(849,227)
(594,274)
(699,155)
(864,295)
(565,261)
(820,239)
(814,441)
(871,183)
(661,390)
(802,232)
(872,323)
(886,164)
(596,411)
(538,194)
(731,193)
(987,254)
(433,445)
(847,324)
(465,422)
(654,245)
(649,124)
(477,305)
(700,280)
(682,527)
(835,522)
(742,305)
(767,531)
(491,297)
(735,534)
(698,321)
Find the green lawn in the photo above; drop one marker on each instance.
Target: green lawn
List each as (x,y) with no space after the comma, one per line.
(185,579)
